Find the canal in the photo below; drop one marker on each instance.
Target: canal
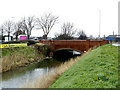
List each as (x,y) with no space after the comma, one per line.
(19,77)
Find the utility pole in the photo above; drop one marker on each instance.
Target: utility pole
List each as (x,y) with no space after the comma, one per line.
(118,20)
(99,23)
(113,33)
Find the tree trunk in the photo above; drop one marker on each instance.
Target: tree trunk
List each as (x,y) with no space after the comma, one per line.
(45,36)
(8,36)
(16,37)
(28,36)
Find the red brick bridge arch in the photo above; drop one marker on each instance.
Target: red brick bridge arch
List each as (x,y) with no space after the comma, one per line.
(79,45)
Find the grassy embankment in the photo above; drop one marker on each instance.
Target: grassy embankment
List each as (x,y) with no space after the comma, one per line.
(16,57)
(51,77)
(98,69)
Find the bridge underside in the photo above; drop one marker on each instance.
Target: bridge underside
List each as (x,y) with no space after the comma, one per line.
(65,54)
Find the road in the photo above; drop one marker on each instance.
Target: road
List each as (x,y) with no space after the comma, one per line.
(116,44)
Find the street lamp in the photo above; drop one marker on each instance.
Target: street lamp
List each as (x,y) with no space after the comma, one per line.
(99,22)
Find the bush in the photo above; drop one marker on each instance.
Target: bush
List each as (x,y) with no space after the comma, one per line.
(29,42)
(43,49)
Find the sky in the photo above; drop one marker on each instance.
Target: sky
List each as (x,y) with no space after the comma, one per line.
(83,13)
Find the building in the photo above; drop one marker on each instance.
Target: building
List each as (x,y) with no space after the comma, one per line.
(115,38)
(22,37)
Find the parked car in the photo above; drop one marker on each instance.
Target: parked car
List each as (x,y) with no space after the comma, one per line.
(34,39)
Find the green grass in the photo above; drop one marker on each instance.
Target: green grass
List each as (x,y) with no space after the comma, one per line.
(16,57)
(99,69)
(6,51)
(23,50)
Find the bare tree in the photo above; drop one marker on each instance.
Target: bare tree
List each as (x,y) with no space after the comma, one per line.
(67,31)
(91,37)
(18,30)
(8,27)
(28,24)
(80,32)
(81,35)
(46,23)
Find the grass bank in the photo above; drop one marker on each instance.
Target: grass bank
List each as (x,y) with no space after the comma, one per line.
(98,69)
(51,77)
(16,57)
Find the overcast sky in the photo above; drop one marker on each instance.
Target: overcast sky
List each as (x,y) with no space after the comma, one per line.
(83,13)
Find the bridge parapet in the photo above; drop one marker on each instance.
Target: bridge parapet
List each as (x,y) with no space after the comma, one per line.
(82,46)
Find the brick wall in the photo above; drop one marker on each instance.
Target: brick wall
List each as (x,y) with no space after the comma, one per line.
(76,45)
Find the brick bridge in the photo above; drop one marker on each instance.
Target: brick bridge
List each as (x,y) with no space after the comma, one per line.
(78,45)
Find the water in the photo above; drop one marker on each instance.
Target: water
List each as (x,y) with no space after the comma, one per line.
(20,76)
(29,76)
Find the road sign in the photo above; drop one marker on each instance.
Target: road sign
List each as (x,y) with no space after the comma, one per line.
(110,38)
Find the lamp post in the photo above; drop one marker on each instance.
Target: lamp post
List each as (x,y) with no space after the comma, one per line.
(99,23)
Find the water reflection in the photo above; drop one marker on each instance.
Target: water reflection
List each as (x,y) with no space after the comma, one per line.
(29,76)
(19,77)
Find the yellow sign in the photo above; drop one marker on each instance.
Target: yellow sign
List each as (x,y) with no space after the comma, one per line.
(12,45)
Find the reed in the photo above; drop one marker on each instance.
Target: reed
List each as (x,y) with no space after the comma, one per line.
(22,56)
(50,78)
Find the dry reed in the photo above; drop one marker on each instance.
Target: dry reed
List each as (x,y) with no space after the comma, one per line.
(50,78)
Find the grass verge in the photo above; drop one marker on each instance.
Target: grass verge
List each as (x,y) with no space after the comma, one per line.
(51,77)
(99,69)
